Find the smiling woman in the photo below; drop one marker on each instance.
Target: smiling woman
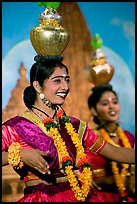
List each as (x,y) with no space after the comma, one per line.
(116,178)
(121,57)
(25,53)
(60,146)
(50,151)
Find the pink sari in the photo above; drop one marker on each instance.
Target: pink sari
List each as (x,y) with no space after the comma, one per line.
(31,136)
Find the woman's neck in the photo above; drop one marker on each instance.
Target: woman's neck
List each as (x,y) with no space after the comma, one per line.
(111,128)
(42,111)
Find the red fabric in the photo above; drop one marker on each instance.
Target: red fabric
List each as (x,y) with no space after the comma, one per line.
(50,193)
(90,138)
(59,193)
(100,162)
(9,135)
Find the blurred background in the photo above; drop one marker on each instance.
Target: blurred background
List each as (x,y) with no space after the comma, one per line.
(113,21)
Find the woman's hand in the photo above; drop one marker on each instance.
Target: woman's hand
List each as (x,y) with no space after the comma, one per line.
(34,159)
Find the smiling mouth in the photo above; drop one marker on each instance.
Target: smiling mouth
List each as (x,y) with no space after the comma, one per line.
(62,95)
(112,113)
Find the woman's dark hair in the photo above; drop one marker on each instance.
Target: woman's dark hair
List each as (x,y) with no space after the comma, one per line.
(94,98)
(41,70)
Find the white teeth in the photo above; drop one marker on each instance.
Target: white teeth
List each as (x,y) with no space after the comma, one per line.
(61,94)
(112,113)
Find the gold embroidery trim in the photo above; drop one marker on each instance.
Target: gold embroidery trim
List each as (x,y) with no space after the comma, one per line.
(37,122)
(97,145)
(81,130)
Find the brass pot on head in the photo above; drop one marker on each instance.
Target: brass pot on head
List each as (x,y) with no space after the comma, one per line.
(101,71)
(49,37)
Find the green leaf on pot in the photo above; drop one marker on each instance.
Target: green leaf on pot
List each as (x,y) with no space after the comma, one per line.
(53,5)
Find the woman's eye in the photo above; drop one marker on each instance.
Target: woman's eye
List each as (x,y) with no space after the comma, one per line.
(104,104)
(57,80)
(115,102)
(68,81)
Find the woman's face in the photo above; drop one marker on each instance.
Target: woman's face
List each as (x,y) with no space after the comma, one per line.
(56,87)
(108,107)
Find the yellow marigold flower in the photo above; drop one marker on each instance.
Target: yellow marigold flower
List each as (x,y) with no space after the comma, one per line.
(14,157)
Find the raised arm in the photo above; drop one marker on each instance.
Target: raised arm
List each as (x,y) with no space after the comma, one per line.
(118,154)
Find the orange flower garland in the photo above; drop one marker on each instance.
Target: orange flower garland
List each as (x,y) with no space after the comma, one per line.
(119,177)
(14,157)
(66,161)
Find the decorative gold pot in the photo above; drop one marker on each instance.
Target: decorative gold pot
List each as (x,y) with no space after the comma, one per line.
(101,74)
(49,38)
(101,71)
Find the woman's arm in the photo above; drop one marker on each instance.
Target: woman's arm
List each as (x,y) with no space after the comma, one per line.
(32,158)
(118,154)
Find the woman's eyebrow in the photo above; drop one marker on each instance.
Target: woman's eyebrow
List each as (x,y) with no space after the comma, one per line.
(108,99)
(60,76)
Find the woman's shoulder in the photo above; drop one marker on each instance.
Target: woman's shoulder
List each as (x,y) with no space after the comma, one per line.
(74,119)
(13,120)
(127,132)
(77,123)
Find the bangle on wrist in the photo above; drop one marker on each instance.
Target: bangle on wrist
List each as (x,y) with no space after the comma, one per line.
(14,157)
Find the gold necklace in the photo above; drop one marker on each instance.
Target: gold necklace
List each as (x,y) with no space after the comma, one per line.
(40,113)
(43,112)
(112,133)
(119,177)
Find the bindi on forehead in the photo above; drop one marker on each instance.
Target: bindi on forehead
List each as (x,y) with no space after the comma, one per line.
(108,96)
(110,99)
(64,75)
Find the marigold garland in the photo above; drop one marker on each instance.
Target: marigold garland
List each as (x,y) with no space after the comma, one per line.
(14,157)
(119,177)
(66,161)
